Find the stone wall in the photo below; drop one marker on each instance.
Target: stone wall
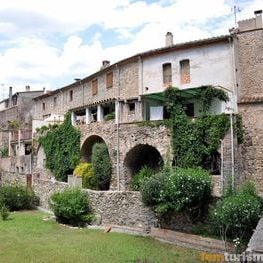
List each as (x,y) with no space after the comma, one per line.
(252,148)
(130,136)
(113,207)
(121,208)
(125,86)
(8,178)
(45,188)
(250,103)
(250,52)
(16,164)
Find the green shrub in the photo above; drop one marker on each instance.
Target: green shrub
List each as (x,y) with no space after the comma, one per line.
(110,116)
(189,189)
(3,151)
(4,211)
(102,166)
(86,171)
(153,188)
(237,215)
(181,190)
(138,179)
(70,206)
(18,198)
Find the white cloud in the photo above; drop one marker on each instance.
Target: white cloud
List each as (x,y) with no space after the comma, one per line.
(28,29)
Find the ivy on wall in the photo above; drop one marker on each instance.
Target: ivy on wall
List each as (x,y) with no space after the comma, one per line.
(195,141)
(62,148)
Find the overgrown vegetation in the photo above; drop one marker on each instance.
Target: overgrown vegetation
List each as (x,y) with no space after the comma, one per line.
(195,142)
(110,116)
(4,212)
(102,165)
(62,148)
(3,151)
(183,190)
(86,171)
(17,198)
(71,207)
(239,129)
(237,214)
(138,179)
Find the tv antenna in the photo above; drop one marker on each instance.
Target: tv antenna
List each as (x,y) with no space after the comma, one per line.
(235,10)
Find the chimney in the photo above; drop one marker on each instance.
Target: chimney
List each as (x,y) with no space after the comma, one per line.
(44,90)
(10,95)
(252,23)
(169,39)
(105,64)
(27,88)
(258,17)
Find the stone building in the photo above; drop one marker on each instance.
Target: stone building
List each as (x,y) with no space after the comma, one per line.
(16,130)
(249,67)
(112,104)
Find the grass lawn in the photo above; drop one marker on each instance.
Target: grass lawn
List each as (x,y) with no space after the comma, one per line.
(26,237)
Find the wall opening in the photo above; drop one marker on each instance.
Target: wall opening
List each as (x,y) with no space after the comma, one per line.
(140,156)
(86,149)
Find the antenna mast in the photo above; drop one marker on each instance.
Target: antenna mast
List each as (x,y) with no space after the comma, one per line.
(236,10)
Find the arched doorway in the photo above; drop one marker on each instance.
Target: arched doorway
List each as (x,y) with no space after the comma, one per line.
(140,156)
(86,149)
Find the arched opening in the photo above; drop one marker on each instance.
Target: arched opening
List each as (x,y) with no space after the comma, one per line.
(140,156)
(86,149)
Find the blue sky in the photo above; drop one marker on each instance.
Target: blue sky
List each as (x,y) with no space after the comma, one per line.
(49,43)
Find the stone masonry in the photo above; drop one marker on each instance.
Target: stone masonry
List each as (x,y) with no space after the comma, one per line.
(250,98)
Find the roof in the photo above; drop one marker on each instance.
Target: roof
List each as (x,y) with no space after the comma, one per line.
(153,52)
(23,92)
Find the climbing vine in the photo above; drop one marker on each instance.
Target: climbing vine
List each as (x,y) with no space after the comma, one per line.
(195,141)
(62,148)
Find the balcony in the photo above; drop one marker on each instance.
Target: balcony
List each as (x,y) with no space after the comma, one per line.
(24,135)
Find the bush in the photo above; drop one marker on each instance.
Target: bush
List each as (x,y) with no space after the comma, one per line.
(3,151)
(189,189)
(152,189)
(181,190)
(18,198)
(86,171)
(70,206)
(143,174)
(102,166)
(237,215)
(110,116)
(4,211)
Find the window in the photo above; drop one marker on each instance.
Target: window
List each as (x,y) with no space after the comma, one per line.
(43,106)
(189,109)
(71,95)
(55,102)
(131,107)
(185,71)
(14,99)
(94,87)
(167,74)
(109,80)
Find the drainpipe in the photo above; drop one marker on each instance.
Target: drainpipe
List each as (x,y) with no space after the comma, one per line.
(222,164)
(234,59)
(232,150)
(118,131)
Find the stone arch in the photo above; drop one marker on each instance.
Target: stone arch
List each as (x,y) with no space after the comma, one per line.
(86,148)
(139,156)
